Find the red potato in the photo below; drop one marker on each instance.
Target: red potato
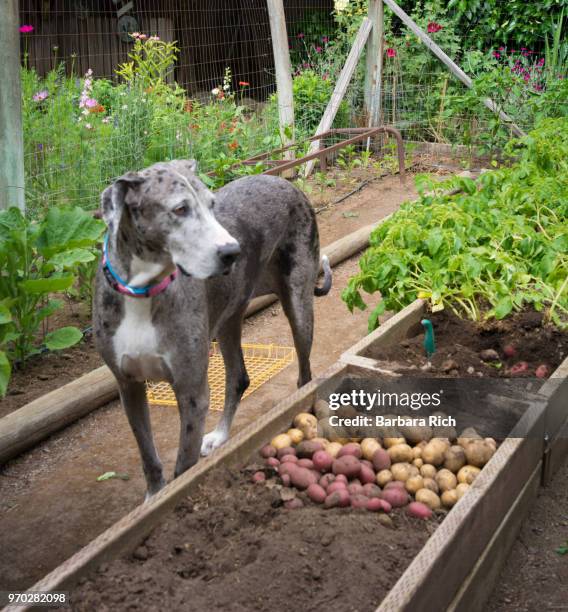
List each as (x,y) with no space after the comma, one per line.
(289,459)
(307,448)
(293,504)
(419,510)
(336,486)
(395,496)
(395,484)
(371,490)
(272,462)
(322,461)
(381,460)
(355,489)
(302,478)
(367,475)
(350,449)
(341,478)
(258,477)
(374,504)
(316,493)
(348,465)
(337,499)
(268,451)
(285,478)
(306,463)
(287,450)
(543,371)
(326,480)
(287,468)
(521,367)
(509,351)
(369,464)
(359,501)
(387,507)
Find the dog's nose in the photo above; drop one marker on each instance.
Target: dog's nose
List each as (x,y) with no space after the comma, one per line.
(228,253)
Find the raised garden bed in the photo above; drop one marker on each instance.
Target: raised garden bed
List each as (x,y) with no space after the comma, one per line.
(443,574)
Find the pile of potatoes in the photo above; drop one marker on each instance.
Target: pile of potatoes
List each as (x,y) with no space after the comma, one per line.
(423,468)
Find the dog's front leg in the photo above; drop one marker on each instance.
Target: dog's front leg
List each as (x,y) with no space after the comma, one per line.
(193,402)
(133,396)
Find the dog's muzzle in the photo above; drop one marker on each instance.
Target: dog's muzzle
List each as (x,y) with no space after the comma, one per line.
(227,255)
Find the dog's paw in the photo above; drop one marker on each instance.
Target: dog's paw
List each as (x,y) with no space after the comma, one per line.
(211,441)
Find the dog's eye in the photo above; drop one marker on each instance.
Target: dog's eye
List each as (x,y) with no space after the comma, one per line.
(181,211)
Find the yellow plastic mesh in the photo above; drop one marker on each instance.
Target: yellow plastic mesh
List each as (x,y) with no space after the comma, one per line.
(263,361)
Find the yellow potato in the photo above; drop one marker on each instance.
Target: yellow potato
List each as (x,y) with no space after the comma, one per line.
(446,480)
(401,471)
(281,441)
(428,471)
(454,458)
(430,483)
(333,448)
(416,434)
(383,477)
(418,463)
(468,474)
(400,453)
(434,451)
(388,442)
(467,435)
(307,424)
(461,489)
(296,435)
(429,498)
(414,484)
(417,451)
(478,452)
(449,498)
(368,447)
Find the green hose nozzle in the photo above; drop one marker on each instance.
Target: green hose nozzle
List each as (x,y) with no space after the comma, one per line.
(429,340)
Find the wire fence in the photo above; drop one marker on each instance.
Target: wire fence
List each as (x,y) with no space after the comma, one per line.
(115,85)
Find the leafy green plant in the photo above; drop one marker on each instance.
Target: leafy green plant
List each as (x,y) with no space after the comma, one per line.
(38,259)
(499,245)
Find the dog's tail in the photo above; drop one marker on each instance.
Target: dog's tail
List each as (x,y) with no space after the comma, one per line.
(327,278)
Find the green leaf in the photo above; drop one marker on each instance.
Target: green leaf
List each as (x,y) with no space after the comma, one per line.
(71,258)
(109,475)
(5,372)
(373,322)
(62,338)
(563,550)
(5,314)
(47,285)
(47,310)
(503,307)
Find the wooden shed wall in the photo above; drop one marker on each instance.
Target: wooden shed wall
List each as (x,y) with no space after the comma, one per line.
(211,34)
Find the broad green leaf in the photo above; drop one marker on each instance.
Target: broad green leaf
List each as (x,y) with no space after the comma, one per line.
(69,259)
(47,285)
(62,338)
(375,314)
(503,307)
(47,310)
(5,372)
(5,315)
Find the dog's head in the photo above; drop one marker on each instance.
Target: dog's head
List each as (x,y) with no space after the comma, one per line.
(168,214)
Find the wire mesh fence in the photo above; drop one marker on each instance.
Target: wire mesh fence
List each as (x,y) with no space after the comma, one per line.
(115,85)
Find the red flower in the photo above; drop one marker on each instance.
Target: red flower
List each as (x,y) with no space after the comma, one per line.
(496,54)
(244,84)
(391,52)
(434,27)
(26,29)
(233,145)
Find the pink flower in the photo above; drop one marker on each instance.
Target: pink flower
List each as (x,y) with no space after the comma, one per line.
(26,29)
(318,49)
(496,54)
(40,96)
(501,48)
(324,39)
(301,35)
(434,27)
(391,52)
(91,103)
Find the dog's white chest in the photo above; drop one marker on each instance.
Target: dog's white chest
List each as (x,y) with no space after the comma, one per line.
(137,345)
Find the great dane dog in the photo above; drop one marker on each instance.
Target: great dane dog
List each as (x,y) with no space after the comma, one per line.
(180,266)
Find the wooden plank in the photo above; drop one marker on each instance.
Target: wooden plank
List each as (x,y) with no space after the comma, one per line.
(556,453)
(479,585)
(283,68)
(340,88)
(25,427)
(127,533)
(450,64)
(374,68)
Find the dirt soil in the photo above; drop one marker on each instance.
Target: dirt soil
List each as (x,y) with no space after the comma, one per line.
(51,504)
(377,198)
(234,547)
(460,344)
(536,575)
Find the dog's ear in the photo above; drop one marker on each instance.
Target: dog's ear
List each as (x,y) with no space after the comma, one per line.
(186,167)
(113,198)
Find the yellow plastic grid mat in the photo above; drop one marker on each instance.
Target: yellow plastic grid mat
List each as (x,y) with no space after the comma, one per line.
(262,361)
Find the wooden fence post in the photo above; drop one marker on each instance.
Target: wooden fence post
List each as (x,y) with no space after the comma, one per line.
(374,69)
(283,68)
(11,136)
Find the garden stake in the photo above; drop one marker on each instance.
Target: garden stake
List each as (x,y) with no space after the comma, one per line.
(429,341)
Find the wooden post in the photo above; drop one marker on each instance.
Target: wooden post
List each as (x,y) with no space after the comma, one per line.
(11,136)
(340,88)
(374,70)
(453,67)
(283,73)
